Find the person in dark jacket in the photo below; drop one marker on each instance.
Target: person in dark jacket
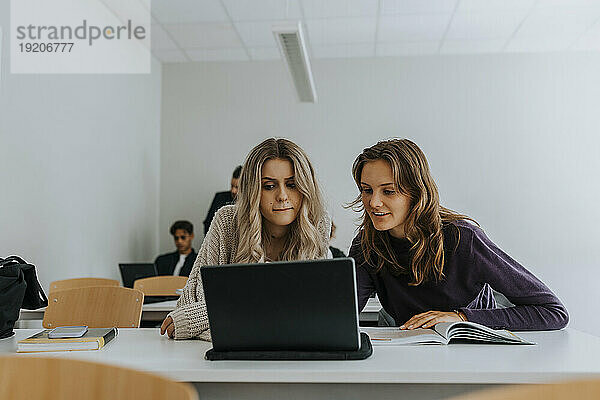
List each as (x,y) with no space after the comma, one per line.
(335,252)
(179,262)
(223,198)
(429,264)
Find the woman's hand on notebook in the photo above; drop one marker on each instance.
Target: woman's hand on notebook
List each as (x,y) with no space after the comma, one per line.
(168,326)
(430,318)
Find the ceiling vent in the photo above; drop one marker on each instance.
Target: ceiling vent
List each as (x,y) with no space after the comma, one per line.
(292,45)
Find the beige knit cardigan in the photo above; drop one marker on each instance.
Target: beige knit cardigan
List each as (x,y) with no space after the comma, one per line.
(218,248)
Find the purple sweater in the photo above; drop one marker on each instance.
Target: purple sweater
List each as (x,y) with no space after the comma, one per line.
(471,270)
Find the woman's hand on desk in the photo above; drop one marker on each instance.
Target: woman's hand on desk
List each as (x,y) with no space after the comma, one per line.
(168,326)
(430,318)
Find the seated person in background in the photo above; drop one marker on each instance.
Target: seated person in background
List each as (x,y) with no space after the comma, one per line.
(279,215)
(179,262)
(426,262)
(335,252)
(223,198)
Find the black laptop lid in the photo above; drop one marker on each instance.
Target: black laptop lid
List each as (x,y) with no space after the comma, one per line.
(306,305)
(131,272)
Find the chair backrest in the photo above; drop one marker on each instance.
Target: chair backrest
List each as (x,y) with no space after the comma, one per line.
(160,285)
(63,378)
(94,306)
(81,282)
(580,390)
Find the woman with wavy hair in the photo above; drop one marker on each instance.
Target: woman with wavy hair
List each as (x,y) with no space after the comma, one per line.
(279,215)
(429,264)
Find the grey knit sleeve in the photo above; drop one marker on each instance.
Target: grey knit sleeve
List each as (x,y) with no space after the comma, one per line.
(190,317)
(324,227)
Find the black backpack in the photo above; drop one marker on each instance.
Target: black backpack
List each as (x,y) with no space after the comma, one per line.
(19,288)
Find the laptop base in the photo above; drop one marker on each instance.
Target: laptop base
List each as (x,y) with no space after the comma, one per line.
(363,352)
(159,299)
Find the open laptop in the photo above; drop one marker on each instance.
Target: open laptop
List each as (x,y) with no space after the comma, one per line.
(302,305)
(131,272)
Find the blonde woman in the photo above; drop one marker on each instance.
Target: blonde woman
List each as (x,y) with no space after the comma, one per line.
(427,263)
(279,215)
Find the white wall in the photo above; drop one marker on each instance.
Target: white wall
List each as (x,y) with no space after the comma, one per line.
(79,175)
(512,141)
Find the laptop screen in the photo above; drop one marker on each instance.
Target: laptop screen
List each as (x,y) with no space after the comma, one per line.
(132,271)
(304,305)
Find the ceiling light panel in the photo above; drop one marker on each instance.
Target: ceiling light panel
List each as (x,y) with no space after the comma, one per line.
(291,42)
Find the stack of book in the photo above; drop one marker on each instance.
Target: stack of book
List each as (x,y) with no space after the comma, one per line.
(94,339)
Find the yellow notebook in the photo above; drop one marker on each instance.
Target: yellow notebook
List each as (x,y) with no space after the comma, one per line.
(94,339)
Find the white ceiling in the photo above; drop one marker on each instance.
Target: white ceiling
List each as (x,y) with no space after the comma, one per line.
(240,30)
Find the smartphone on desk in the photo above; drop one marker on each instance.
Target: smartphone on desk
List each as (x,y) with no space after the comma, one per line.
(62,332)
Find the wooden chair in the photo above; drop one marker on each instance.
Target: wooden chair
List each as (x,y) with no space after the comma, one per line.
(81,282)
(160,285)
(580,390)
(94,306)
(43,378)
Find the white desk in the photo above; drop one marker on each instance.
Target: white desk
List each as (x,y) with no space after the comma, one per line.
(158,311)
(391,372)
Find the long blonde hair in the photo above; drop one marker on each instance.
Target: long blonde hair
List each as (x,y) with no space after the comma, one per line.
(423,224)
(303,241)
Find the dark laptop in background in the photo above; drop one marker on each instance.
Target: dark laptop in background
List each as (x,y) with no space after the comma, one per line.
(302,306)
(132,271)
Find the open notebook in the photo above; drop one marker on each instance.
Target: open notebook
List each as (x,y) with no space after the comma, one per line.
(442,333)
